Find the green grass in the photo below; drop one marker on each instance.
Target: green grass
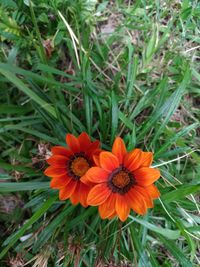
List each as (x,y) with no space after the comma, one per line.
(140,80)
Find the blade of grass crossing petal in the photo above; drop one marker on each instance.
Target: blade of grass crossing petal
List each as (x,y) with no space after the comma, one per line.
(13,238)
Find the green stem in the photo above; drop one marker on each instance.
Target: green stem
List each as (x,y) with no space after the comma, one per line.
(118,241)
(42,55)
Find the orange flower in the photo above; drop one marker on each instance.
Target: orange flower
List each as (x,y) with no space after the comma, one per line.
(124,181)
(69,165)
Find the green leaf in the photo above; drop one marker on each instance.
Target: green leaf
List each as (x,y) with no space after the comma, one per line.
(21,86)
(151,46)
(23,186)
(132,72)
(174,138)
(29,131)
(13,109)
(185,233)
(87,102)
(176,252)
(11,240)
(142,257)
(52,227)
(172,103)
(114,116)
(170,234)
(196,74)
(180,193)
(20,168)
(127,122)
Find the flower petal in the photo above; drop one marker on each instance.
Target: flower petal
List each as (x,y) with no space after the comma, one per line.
(83,194)
(93,148)
(146,176)
(107,209)
(68,190)
(84,141)
(119,149)
(96,160)
(153,191)
(75,196)
(98,194)
(122,208)
(55,171)
(85,180)
(73,143)
(108,161)
(132,160)
(145,195)
(58,160)
(96,175)
(112,216)
(147,159)
(60,150)
(136,201)
(60,182)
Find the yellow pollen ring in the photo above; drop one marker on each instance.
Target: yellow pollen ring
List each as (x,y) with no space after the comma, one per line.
(121,179)
(79,166)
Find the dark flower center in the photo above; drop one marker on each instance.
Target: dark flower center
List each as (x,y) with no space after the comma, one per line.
(78,165)
(121,180)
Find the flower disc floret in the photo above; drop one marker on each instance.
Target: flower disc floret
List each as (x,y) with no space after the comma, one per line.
(120,180)
(78,165)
